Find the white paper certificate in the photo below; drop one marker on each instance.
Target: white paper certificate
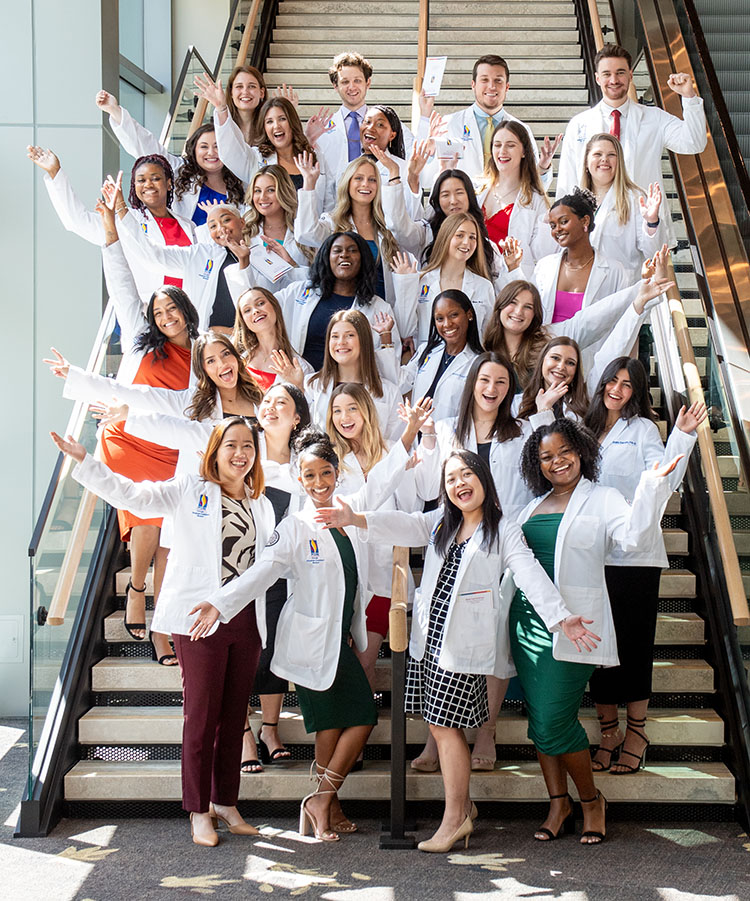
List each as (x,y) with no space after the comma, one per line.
(268,263)
(433,75)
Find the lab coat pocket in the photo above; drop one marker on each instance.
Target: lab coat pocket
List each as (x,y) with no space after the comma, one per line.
(475,621)
(307,636)
(583,531)
(621,458)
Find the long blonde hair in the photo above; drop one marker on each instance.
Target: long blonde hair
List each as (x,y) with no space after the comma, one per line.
(477,262)
(622,185)
(371,443)
(368,367)
(531,182)
(342,211)
(245,339)
(287,196)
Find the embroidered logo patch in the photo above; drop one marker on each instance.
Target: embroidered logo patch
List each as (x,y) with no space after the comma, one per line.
(207,271)
(202,508)
(274,539)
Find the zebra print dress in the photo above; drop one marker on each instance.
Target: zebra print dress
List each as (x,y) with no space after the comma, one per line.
(237,537)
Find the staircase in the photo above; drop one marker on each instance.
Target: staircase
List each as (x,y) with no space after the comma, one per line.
(129,740)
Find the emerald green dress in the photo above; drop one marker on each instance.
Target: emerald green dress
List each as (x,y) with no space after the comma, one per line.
(553,689)
(349,701)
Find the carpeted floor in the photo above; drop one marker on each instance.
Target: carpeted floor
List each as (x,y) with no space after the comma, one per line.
(109,860)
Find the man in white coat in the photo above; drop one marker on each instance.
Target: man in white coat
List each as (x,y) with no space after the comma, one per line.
(350,75)
(643,131)
(474,125)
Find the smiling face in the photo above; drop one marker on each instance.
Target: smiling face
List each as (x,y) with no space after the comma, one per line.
(347,417)
(343,344)
(517,315)
(559,365)
(151,186)
(490,87)
(352,86)
(265,199)
(169,318)
(278,129)
(490,389)
(247,93)
(207,153)
(463,244)
(220,365)
(601,162)
(559,463)
(613,75)
(236,454)
(363,185)
(453,197)
(618,391)
(376,129)
(507,151)
(224,226)
(318,478)
(452,323)
(462,485)
(277,412)
(344,258)
(566,227)
(257,312)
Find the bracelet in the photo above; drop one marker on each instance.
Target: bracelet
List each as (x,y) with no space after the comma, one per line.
(429,434)
(653,224)
(121,208)
(222,109)
(385,346)
(395,178)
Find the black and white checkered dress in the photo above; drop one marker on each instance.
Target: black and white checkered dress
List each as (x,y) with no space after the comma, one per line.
(455,700)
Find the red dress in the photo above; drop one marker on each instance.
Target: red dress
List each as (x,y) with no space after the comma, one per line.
(263,378)
(174,236)
(141,460)
(497,225)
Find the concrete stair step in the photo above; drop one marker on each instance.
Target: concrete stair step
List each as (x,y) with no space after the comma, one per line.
(677,583)
(327,46)
(699,783)
(676,541)
(462,96)
(453,81)
(163,725)
(519,63)
(404,19)
(325,33)
(117,674)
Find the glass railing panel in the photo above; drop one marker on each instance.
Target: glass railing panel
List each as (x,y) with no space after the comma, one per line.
(60,557)
(236,35)
(184,107)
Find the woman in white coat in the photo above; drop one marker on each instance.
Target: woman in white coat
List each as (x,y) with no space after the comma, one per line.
(512,196)
(571,527)
(439,367)
(151,196)
(221,518)
(628,228)
(328,576)
(621,418)
(457,262)
(200,175)
(459,624)
(350,357)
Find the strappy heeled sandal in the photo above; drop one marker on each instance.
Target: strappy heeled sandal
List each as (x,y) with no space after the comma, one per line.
(345,826)
(278,755)
(255,765)
(636,726)
(591,833)
(566,827)
(607,730)
(130,626)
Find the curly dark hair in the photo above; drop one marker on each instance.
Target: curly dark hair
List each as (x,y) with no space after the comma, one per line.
(492,512)
(581,202)
(153,339)
(155,159)
(579,438)
(313,441)
(191,173)
(437,216)
(322,277)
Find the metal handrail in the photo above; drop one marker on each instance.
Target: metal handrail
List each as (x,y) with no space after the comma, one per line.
(166,130)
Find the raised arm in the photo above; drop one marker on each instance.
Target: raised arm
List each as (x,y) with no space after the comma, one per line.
(69,208)
(238,156)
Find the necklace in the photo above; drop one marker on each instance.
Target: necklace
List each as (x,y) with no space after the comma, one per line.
(583,266)
(561,493)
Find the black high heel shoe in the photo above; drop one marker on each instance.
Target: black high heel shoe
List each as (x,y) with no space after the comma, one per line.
(567,826)
(130,626)
(635,726)
(591,833)
(254,765)
(164,657)
(607,729)
(278,755)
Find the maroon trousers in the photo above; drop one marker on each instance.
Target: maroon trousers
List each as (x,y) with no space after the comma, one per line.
(217,675)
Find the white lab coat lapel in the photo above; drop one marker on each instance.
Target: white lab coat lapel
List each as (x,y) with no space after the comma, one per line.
(603,213)
(614,433)
(599,272)
(579,497)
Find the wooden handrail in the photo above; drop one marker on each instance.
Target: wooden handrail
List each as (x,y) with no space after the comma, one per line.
(424,24)
(398,636)
(72,559)
(596,24)
(247,35)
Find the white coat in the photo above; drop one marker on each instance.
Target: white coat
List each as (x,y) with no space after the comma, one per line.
(198,265)
(193,571)
(257,279)
(312,227)
(505,460)
(596,519)
(391,425)
(628,449)
(418,379)
(475,634)
(646,131)
(87,224)
(629,244)
(416,293)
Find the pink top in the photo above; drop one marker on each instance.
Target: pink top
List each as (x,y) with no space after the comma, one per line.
(567,304)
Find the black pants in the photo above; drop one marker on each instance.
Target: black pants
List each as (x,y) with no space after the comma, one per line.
(266,682)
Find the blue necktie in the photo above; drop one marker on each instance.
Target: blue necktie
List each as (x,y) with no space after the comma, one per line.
(352,136)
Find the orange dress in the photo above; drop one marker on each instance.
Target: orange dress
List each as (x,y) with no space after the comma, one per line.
(141,460)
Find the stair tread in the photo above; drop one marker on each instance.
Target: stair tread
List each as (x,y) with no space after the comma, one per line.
(158,780)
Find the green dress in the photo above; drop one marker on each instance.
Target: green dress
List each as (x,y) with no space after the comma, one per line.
(349,701)
(553,688)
